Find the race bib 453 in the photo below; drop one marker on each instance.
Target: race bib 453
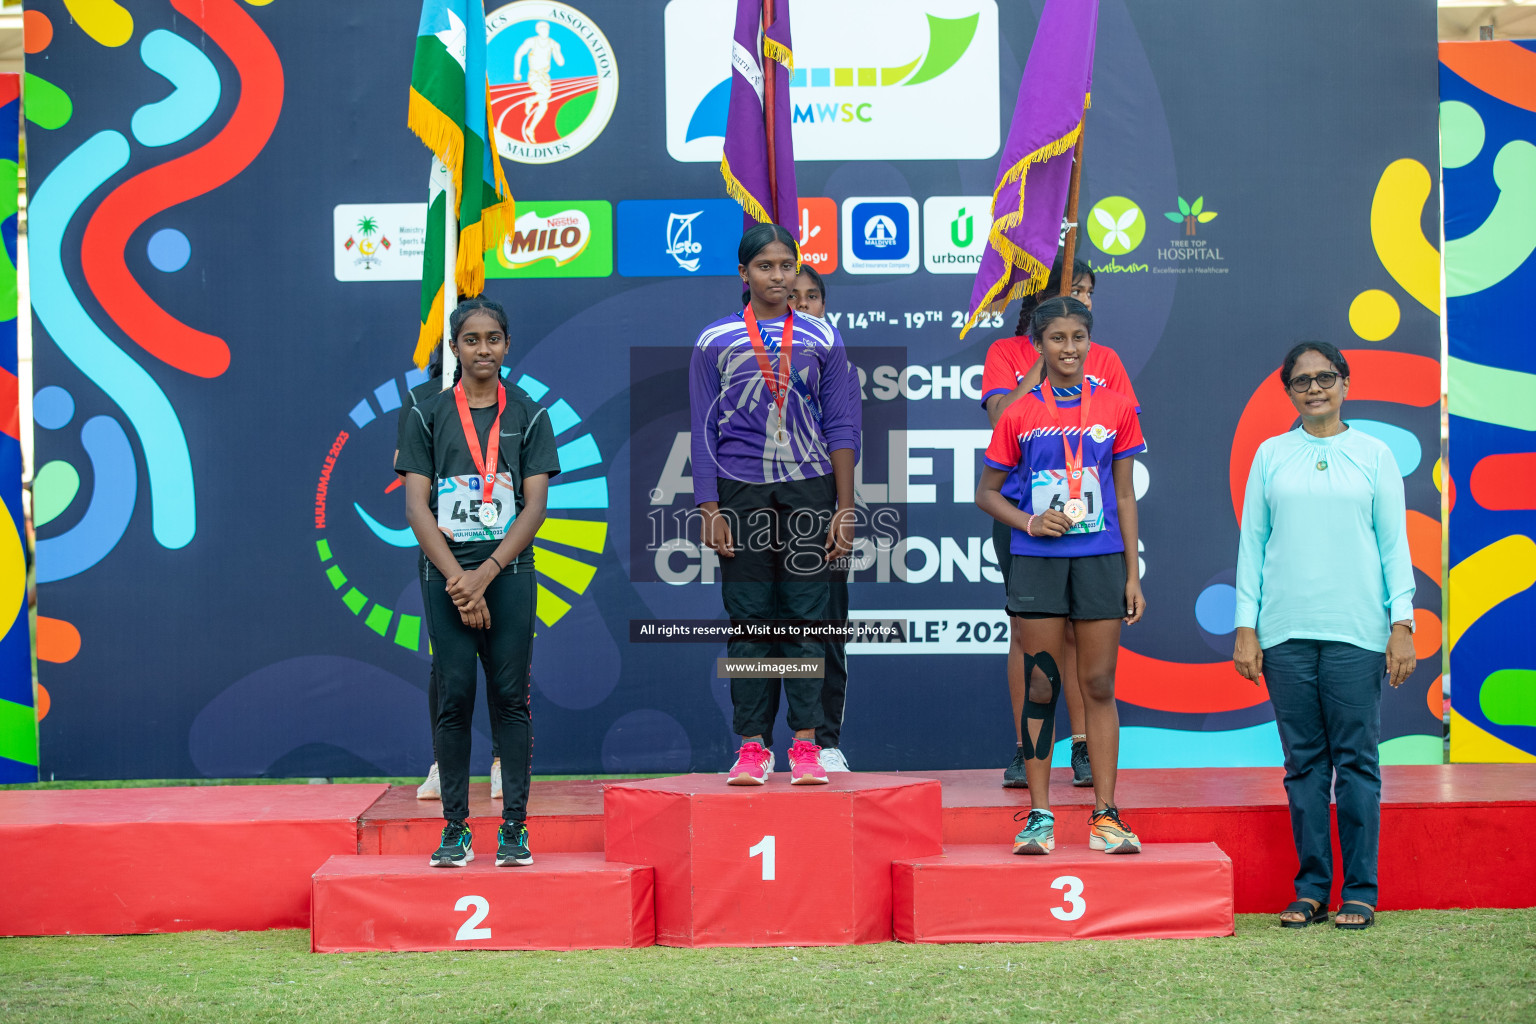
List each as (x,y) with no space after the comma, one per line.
(458,507)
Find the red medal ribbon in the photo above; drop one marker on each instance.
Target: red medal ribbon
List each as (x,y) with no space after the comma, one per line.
(1074,462)
(485,464)
(779,388)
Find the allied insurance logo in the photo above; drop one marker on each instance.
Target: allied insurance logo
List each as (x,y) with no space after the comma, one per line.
(554,80)
(873,80)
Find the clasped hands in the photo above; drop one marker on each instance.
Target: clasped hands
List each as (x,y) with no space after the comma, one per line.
(467,589)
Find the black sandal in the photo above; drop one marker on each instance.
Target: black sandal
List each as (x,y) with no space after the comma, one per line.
(1316,914)
(1366,912)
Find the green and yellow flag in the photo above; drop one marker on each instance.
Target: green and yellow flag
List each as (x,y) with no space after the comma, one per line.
(450,112)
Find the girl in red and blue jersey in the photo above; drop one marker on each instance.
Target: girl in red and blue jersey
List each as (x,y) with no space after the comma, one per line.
(1067,444)
(1012,368)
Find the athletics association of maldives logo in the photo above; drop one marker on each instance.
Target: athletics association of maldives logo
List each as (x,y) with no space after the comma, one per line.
(554,80)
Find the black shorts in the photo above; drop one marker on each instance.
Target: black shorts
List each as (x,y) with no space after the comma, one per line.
(1089,587)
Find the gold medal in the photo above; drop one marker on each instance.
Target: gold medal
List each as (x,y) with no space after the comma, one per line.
(1075,510)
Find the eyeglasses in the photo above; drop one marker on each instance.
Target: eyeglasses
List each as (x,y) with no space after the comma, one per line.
(1301,385)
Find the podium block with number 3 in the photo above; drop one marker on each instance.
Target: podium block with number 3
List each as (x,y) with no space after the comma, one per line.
(776,865)
(986,894)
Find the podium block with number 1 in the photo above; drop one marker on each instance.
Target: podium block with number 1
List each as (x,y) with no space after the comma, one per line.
(774,865)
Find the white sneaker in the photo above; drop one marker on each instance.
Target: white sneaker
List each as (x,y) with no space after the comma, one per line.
(832,760)
(432,788)
(495,778)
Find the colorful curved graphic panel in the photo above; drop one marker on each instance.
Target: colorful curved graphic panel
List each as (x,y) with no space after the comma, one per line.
(1488,135)
(18,705)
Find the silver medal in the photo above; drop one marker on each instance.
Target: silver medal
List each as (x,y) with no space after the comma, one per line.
(488,514)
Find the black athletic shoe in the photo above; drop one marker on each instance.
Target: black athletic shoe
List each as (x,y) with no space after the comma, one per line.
(455,851)
(1082,773)
(1013,775)
(512,845)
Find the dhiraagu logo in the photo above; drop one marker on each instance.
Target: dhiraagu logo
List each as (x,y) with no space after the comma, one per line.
(367,553)
(873,79)
(1116,225)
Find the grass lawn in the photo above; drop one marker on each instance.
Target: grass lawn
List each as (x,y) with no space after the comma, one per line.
(1477,965)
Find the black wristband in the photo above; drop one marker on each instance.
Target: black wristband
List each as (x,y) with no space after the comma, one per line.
(499,567)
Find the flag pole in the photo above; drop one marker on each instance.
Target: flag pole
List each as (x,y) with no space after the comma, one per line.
(770,110)
(450,279)
(1070,252)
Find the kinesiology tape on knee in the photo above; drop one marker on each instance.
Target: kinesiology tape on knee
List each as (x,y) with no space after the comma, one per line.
(1046,712)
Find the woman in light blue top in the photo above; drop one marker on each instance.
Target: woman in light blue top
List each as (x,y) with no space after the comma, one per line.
(1324,613)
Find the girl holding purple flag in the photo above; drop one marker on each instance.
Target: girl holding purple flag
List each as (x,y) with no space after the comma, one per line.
(776,420)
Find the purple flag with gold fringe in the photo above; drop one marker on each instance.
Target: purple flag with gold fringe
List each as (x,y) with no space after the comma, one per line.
(1036,168)
(757,162)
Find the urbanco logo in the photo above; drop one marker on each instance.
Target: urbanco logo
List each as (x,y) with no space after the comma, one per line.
(554,80)
(1116,225)
(873,79)
(955,233)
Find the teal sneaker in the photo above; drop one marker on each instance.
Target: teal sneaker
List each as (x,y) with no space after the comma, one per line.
(512,845)
(1038,835)
(455,851)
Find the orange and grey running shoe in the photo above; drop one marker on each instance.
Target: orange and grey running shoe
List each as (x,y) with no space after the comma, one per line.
(1108,833)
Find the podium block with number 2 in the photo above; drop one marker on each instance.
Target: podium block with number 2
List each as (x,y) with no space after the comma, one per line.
(986,894)
(776,865)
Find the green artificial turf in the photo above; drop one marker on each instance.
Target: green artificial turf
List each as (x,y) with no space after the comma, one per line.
(1433,966)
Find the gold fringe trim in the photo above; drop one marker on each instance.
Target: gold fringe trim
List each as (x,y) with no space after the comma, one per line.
(1012,254)
(439,132)
(737,191)
(508,213)
(469,270)
(775,50)
(431,334)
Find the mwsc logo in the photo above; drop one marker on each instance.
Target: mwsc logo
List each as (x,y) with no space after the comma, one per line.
(873,80)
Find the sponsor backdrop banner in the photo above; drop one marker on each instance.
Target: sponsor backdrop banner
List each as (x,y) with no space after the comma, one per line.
(226,225)
(1487,131)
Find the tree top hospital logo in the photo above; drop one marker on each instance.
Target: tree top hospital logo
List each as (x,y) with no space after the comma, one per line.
(1116,225)
(367,553)
(554,80)
(873,79)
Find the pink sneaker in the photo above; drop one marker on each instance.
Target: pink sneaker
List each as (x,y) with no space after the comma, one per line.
(805,765)
(752,766)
